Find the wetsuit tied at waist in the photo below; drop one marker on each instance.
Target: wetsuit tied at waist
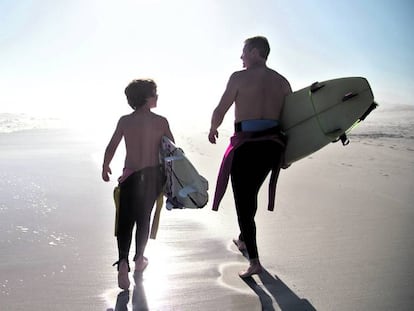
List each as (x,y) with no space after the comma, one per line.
(241,137)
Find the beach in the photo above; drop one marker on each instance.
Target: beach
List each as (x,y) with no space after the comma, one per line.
(340,237)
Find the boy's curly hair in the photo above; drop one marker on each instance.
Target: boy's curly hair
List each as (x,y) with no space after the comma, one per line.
(138,91)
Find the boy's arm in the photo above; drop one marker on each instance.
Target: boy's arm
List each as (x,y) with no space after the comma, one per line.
(110,151)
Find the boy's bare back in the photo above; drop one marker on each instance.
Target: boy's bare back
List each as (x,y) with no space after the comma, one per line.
(142,132)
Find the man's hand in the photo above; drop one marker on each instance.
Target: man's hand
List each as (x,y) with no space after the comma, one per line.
(106,171)
(212,136)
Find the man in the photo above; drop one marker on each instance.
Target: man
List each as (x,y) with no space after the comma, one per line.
(257,146)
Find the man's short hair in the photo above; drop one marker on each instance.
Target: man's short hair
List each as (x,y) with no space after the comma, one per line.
(138,91)
(260,43)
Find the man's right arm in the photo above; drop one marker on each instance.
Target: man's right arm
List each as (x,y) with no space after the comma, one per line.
(220,111)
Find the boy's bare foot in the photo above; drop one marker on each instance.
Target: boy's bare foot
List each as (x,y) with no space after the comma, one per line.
(254,268)
(141,264)
(123,279)
(240,244)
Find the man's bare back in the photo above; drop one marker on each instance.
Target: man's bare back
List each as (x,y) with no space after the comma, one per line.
(260,93)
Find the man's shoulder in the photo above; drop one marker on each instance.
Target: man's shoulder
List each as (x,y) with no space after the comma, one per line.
(238,74)
(279,76)
(274,72)
(238,77)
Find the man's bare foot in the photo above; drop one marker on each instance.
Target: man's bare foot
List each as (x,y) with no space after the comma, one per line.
(254,268)
(141,264)
(240,244)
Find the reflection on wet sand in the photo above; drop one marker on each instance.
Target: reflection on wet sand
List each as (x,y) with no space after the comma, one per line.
(139,299)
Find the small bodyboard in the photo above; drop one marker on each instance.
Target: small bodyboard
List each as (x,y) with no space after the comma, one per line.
(184,187)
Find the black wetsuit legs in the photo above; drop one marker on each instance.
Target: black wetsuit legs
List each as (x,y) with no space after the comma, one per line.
(252,162)
(138,194)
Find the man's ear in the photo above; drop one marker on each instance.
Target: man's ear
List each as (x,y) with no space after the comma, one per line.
(255,52)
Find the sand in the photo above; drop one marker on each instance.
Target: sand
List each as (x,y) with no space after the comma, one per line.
(340,238)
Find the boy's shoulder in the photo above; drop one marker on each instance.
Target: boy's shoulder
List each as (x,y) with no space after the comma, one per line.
(150,115)
(124,118)
(158,116)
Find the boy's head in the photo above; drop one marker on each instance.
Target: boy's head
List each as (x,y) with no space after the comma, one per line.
(260,43)
(138,91)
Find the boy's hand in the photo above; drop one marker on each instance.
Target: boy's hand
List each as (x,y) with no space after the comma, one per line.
(106,171)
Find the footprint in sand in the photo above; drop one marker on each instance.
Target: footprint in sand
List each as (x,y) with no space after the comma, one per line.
(229,277)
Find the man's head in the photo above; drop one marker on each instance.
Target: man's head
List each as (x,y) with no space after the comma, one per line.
(260,43)
(139,91)
(256,50)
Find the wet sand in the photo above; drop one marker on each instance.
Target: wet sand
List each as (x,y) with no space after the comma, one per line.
(339,239)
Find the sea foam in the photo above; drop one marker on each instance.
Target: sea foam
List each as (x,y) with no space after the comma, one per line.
(13,122)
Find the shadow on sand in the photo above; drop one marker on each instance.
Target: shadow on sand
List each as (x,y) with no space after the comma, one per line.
(279,292)
(271,290)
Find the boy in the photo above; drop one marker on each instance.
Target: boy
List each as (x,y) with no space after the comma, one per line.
(142,178)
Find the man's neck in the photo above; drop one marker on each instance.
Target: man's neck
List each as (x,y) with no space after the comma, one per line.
(258,64)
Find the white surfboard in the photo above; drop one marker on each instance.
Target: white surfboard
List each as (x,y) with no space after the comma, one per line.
(185,187)
(322,113)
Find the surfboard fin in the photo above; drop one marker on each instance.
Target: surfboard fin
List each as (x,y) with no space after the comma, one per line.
(348,96)
(334,134)
(343,138)
(373,106)
(338,135)
(316,86)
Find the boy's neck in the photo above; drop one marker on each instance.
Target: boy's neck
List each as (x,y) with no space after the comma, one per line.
(143,109)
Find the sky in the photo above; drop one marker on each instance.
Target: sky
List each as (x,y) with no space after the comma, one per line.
(73,58)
